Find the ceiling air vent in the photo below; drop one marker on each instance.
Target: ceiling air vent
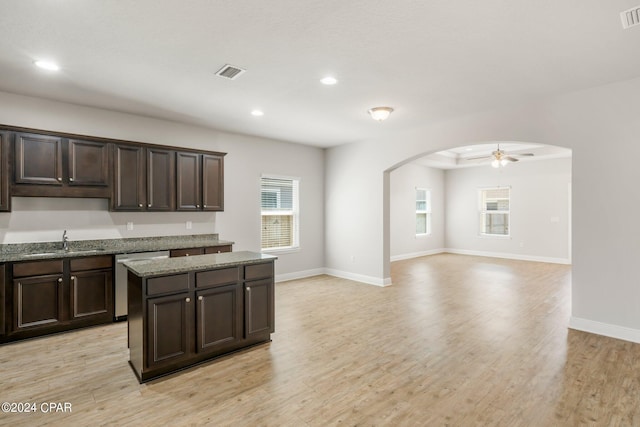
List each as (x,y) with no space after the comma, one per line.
(230,72)
(630,18)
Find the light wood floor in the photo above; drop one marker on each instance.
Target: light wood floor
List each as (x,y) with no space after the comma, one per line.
(456,341)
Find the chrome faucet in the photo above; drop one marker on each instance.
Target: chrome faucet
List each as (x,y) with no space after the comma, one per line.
(65,241)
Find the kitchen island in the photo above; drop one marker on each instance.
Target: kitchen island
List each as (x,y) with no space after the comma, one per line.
(183,311)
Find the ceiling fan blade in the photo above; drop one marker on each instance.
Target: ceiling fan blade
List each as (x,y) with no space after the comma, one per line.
(511,159)
(523,154)
(479,158)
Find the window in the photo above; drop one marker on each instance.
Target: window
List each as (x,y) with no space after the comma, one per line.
(279,211)
(494,211)
(423,211)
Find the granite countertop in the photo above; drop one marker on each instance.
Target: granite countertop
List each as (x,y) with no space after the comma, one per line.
(161,267)
(77,248)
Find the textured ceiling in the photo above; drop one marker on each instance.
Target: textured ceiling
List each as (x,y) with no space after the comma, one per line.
(430,60)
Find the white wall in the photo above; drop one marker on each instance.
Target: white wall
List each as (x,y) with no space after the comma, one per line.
(539,210)
(593,123)
(247,158)
(403,240)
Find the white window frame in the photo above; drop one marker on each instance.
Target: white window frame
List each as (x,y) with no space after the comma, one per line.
(426,212)
(482,213)
(294,213)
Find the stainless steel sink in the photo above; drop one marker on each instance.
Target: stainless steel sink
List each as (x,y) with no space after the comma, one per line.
(62,252)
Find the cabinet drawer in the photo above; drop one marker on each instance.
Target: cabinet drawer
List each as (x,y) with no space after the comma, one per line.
(217,249)
(223,276)
(167,284)
(37,268)
(187,252)
(258,271)
(91,263)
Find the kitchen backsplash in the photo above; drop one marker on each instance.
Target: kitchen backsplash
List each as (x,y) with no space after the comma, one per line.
(36,219)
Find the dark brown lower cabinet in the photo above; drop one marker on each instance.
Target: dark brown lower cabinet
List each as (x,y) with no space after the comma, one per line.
(3,313)
(92,294)
(38,301)
(169,329)
(57,295)
(182,319)
(219,317)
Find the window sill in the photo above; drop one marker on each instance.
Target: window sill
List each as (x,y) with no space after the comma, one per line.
(422,236)
(280,250)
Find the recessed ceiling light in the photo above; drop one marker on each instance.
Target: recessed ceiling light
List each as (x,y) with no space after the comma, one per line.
(257,113)
(329,81)
(47,65)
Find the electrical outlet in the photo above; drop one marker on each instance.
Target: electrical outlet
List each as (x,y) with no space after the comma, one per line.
(189,225)
(129,226)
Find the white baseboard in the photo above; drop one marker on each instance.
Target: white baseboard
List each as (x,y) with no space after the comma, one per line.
(416,254)
(509,256)
(299,274)
(608,330)
(358,277)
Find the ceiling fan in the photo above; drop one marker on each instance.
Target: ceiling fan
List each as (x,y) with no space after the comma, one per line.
(501,158)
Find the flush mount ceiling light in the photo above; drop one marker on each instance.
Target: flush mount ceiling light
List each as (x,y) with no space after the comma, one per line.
(46,65)
(329,81)
(257,113)
(380,113)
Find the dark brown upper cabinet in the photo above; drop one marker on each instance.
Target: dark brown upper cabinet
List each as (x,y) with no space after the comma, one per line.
(53,166)
(161,179)
(212,182)
(200,182)
(5,198)
(88,163)
(129,187)
(144,179)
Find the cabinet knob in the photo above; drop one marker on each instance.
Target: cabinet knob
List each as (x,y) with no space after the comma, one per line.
(59,178)
(204,206)
(140,205)
(73,278)
(197,206)
(186,254)
(248,289)
(149,205)
(71,179)
(200,298)
(59,279)
(187,299)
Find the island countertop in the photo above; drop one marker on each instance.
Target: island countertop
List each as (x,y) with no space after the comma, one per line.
(160,267)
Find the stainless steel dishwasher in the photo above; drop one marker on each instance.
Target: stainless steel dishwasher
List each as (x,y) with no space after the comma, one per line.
(121,278)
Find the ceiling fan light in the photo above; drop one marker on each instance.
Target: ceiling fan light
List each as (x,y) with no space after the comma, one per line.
(380,113)
(504,162)
(495,163)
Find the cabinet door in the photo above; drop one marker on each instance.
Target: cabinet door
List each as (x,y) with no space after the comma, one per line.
(38,159)
(129,187)
(188,182)
(2,300)
(212,183)
(160,180)
(5,200)
(218,317)
(169,329)
(38,301)
(259,301)
(91,295)
(88,163)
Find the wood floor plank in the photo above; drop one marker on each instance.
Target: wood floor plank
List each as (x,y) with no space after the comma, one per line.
(456,341)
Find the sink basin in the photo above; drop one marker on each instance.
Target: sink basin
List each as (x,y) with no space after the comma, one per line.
(61,252)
